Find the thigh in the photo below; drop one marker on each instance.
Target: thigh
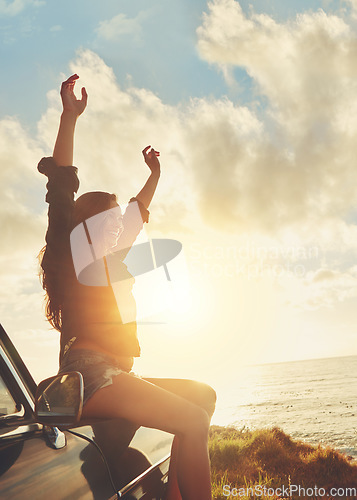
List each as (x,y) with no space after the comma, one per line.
(197,392)
(144,403)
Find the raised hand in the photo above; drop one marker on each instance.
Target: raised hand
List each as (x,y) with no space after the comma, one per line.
(151,159)
(72,108)
(70,102)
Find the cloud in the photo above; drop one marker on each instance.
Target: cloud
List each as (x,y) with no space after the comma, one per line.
(300,170)
(117,125)
(14,7)
(221,162)
(321,288)
(323,275)
(56,28)
(23,223)
(18,156)
(120,26)
(353,5)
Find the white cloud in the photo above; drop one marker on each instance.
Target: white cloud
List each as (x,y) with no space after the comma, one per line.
(301,169)
(56,28)
(22,227)
(353,5)
(18,156)
(113,131)
(14,7)
(323,275)
(322,288)
(221,163)
(119,26)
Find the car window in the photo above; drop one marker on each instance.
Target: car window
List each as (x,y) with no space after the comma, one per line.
(7,403)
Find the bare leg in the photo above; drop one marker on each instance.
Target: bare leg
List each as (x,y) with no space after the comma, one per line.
(197,392)
(202,395)
(173,490)
(151,406)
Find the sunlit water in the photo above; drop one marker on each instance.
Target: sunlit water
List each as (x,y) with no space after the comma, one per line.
(312,400)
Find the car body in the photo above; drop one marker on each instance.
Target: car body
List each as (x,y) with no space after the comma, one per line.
(103,460)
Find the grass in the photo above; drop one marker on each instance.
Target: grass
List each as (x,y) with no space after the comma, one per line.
(251,459)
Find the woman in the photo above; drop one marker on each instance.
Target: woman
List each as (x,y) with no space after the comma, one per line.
(94,339)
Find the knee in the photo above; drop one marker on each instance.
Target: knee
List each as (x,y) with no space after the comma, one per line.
(197,423)
(211,398)
(208,398)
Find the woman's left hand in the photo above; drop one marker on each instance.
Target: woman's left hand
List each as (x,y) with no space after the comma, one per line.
(151,159)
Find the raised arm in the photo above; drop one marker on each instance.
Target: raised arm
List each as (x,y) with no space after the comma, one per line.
(72,108)
(152,161)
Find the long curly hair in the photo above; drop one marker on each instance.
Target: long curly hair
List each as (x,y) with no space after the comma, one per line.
(53,272)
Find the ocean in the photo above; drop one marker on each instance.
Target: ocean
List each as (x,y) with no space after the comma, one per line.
(312,400)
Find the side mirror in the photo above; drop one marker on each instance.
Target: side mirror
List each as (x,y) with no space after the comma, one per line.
(59,399)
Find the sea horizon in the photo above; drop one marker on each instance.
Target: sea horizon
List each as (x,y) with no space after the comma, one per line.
(301,360)
(311,400)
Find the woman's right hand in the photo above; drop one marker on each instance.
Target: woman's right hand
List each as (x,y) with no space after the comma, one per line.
(69,101)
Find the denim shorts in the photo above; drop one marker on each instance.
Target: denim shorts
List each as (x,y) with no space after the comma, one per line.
(97,369)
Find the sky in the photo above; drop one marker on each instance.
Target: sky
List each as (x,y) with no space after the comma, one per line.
(253,108)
